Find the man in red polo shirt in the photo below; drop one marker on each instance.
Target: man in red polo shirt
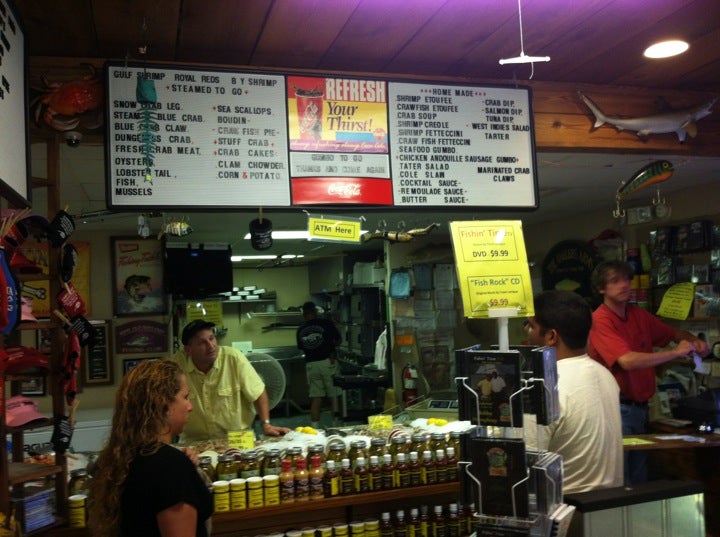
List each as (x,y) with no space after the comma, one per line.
(623,337)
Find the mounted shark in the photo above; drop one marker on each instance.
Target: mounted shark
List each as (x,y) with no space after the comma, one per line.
(681,122)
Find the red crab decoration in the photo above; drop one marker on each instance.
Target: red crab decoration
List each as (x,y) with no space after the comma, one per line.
(61,103)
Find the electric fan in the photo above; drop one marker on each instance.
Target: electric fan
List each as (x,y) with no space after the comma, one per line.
(272,374)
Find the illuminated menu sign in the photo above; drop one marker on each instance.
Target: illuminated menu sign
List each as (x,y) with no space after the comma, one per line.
(193,138)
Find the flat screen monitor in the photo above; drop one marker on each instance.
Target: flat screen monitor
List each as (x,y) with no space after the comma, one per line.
(197,270)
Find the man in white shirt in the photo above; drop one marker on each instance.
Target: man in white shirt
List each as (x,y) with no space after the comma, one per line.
(588,434)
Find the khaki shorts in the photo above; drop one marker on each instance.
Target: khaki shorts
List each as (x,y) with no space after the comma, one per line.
(320,378)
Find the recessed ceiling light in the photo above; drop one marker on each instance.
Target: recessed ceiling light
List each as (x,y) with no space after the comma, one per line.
(665,49)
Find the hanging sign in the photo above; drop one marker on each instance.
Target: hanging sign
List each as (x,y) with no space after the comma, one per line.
(492,267)
(334,228)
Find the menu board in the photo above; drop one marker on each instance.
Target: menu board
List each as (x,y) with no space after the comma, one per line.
(461,146)
(193,138)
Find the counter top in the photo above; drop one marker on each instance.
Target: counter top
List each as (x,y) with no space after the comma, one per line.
(670,441)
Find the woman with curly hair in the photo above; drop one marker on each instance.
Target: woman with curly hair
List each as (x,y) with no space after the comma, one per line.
(142,485)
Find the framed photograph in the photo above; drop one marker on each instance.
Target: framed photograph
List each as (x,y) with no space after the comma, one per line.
(132,362)
(138,276)
(34,386)
(44,340)
(141,336)
(97,366)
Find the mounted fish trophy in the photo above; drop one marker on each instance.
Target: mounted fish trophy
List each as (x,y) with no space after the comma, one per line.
(655,172)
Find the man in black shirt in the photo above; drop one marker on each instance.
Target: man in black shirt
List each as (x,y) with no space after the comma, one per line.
(317,338)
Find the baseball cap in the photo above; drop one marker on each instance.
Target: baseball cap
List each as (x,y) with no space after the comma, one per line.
(21,410)
(308,307)
(19,359)
(193,328)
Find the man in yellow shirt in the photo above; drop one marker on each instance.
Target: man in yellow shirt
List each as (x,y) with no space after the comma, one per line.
(225,390)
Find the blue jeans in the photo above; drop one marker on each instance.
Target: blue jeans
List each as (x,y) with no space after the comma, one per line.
(635,420)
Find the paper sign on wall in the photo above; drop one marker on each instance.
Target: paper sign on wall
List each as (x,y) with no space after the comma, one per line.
(677,300)
(492,267)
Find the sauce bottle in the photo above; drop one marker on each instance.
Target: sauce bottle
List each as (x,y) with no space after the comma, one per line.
(226,468)
(402,474)
(302,480)
(454,441)
(452,464)
(453,521)
(347,478)
(362,477)
(437,441)
(438,524)
(468,514)
(316,478)
(271,462)
(387,472)
(398,444)
(336,452)
(331,480)
(287,482)
(418,442)
(429,474)
(357,450)
(441,466)
(424,521)
(414,523)
(319,450)
(378,446)
(400,528)
(386,526)
(374,474)
(206,466)
(414,473)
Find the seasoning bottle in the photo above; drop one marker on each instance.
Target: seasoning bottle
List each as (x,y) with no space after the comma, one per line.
(452,464)
(387,472)
(374,474)
(454,441)
(414,470)
(437,441)
(271,462)
(238,494)
(316,478)
(372,527)
(386,526)
(207,467)
(271,489)
(249,465)
(226,468)
(453,521)
(77,511)
(398,445)
(414,523)
(331,480)
(362,482)
(80,482)
(255,493)
(400,528)
(429,474)
(424,521)
(438,524)
(302,480)
(221,495)
(287,482)
(418,442)
(378,446)
(347,478)
(319,450)
(357,450)
(402,479)
(441,466)
(336,452)
(294,453)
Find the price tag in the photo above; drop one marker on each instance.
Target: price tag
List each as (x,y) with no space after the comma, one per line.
(241,439)
(492,267)
(380,422)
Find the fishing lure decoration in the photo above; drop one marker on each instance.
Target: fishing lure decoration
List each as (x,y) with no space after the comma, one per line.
(146,96)
(655,172)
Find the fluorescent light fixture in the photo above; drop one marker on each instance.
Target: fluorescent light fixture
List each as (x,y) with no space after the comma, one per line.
(294,234)
(239,258)
(666,49)
(524,58)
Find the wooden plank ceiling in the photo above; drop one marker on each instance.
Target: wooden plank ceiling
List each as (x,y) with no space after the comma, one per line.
(590,41)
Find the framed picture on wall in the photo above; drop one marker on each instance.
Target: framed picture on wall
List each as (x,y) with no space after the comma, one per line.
(141,336)
(33,386)
(138,276)
(97,363)
(132,362)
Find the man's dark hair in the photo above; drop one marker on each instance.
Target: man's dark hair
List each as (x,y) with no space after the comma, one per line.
(309,307)
(566,312)
(600,273)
